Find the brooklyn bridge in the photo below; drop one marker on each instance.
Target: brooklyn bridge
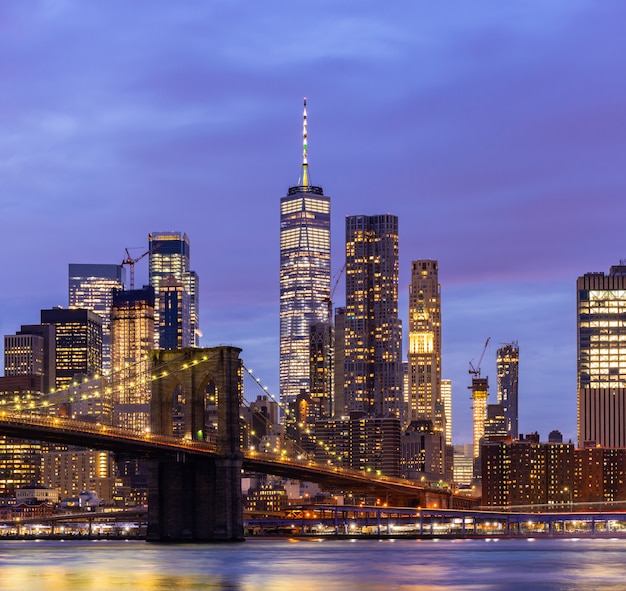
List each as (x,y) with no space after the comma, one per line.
(195,491)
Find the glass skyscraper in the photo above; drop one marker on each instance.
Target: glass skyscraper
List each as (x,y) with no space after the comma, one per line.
(304,278)
(601,324)
(78,343)
(91,288)
(169,258)
(373,331)
(507,363)
(132,331)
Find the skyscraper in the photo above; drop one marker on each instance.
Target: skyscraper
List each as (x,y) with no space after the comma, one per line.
(425,401)
(373,331)
(507,363)
(174,315)
(304,277)
(601,328)
(132,332)
(169,257)
(78,343)
(90,288)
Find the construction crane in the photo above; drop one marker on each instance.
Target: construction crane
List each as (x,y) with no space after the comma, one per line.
(130,261)
(332,293)
(475,371)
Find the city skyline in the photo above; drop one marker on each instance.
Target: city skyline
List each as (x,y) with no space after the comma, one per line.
(487,130)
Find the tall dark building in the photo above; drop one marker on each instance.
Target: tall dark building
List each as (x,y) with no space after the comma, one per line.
(304,278)
(78,343)
(169,258)
(174,316)
(507,362)
(601,324)
(373,331)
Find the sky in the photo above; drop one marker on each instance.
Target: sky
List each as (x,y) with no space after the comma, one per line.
(495,131)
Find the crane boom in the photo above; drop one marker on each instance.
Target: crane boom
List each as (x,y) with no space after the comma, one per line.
(130,261)
(476,370)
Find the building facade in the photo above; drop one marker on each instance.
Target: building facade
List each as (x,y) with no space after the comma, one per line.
(91,288)
(373,331)
(601,340)
(424,354)
(78,343)
(304,278)
(132,332)
(169,257)
(507,364)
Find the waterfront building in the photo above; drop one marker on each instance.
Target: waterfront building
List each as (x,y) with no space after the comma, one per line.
(304,280)
(20,464)
(601,347)
(507,364)
(169,257)
(371,444)
(78,343)
(91,288)
(71,471)
(132,332)
(373,331)
(423,452)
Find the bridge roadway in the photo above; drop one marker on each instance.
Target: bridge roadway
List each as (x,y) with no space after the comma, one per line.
(394,491)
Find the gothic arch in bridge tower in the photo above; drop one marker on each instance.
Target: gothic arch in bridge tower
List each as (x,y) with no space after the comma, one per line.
(192,499)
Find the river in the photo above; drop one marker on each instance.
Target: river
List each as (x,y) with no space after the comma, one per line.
(315,565)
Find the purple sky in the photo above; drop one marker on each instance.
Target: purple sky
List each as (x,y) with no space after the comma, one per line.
(496,131)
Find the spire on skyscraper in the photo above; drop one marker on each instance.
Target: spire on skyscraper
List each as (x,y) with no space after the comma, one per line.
(305,162)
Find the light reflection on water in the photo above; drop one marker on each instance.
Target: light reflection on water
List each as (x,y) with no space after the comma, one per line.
(307,565)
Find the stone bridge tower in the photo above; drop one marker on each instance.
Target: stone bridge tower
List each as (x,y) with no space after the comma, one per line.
(197,499)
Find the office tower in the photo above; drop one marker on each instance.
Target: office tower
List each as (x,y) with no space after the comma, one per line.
(169,257)
(90,288)
(78,343)
(446,399)
(480,392)
(47,333)
(132,338)
(23,355)
(423,452)
(304,278)
(321,369)
(507,362)
(174,324)
(601,324)
(72,471)
(20,464)
(373,331)
(496,424)
(424,355)
(360,442)
(339,356)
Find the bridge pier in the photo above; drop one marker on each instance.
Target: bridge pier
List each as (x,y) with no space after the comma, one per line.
(194,499)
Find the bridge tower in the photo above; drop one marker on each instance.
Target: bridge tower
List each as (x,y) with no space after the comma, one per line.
(193,499)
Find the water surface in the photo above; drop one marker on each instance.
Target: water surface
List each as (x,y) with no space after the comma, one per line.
(308,565)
